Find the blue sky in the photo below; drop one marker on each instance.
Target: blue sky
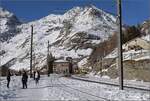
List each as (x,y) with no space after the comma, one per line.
(134,11)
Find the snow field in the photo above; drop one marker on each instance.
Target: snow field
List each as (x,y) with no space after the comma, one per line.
(56,87)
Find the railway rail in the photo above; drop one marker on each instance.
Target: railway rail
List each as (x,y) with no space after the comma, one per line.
(69,89)
(112,84)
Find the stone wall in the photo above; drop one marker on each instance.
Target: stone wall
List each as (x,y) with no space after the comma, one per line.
(133,70)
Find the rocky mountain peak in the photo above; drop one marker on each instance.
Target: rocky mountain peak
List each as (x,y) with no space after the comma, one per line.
(8,17)
(145,27)
(8,23)
(5,13)
(73,34)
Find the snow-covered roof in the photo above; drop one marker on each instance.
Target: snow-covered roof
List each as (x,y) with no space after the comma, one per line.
(60,60)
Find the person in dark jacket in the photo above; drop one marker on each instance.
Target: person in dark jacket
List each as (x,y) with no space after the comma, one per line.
(39,74)
(24,79)
(8,78)
(34,75)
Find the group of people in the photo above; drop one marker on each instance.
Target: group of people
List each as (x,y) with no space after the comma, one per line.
(36,77)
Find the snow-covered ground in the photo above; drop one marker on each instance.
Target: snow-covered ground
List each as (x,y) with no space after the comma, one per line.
(56,87)
(131,54)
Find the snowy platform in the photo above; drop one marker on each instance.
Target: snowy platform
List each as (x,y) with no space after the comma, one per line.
(56,87)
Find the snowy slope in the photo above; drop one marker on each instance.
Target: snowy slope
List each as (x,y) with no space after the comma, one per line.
(140,54)
(71,34)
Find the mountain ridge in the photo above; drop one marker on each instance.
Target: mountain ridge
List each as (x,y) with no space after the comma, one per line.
(72,34)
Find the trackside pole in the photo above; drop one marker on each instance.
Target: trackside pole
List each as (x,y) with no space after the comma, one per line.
(120,57)
(31,51)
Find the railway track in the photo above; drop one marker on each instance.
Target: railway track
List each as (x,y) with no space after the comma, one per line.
(69,89)
(54,81)
(65,88)
(112,84)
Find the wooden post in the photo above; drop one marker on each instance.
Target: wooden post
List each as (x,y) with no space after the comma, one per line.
(48,68)
(31,51)
(48,47)
(120,62)
(0,58)
(149,41)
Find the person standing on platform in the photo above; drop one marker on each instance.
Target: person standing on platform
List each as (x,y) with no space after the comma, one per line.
(8,78)
(24,79)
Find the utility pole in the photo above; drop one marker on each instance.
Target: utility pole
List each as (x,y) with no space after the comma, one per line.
(149,39)
(31,51)
(48,47)
(0,57)
(120,58)
(149,43)
(48,68)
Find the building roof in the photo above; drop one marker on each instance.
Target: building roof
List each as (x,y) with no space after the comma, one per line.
(60,60)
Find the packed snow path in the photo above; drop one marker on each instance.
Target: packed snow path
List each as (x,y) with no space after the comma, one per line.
(56,87)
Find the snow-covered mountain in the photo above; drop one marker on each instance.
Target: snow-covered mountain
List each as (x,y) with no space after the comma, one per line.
(72,34)
(145,28)
(8,23)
